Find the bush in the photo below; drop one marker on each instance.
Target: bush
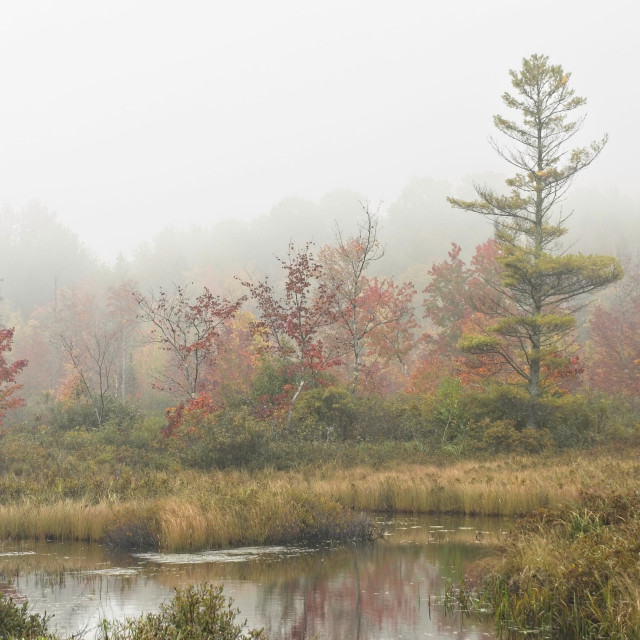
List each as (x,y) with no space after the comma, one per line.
(17,622)
(78,413)
(194,613)
(502,436)
(496,403)
(397,418)
(226,439)
(588,418)
(325,413)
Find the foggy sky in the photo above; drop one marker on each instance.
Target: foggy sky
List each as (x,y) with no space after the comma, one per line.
(128,117)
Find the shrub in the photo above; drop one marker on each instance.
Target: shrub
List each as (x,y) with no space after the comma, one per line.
(17,622)
(194,613)
(229,439)
(325,413)
(397,418)
(502,436)
(496,403)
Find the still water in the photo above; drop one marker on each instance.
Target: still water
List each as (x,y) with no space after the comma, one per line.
(389,589)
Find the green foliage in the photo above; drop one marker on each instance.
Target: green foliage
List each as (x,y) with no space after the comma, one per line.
(325,414)
(502,436)
(478,344)
(195,613)
(571,420)
(532,307)
(77,413)
(448,411)
(497,402)
(17,622)
(272,376)
(221,440)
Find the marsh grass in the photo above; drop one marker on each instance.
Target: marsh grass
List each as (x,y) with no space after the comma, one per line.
(65,520)
(568,573)
(233,517)
(191,510)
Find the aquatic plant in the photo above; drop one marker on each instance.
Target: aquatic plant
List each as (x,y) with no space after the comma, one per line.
(567,573)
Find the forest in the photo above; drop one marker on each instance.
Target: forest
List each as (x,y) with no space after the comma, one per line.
(200,380)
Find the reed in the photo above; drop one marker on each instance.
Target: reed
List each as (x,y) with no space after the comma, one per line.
(66,520)
(568,573)
(189,510)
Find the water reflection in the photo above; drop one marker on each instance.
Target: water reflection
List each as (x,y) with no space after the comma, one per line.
(389,589)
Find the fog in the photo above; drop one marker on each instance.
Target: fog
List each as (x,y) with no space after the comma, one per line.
(125,118)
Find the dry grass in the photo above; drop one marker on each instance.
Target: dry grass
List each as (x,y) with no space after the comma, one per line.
(222,509)
(505,487)
(67,520)
(571,574)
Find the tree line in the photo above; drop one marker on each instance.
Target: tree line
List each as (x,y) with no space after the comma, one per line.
(327,319)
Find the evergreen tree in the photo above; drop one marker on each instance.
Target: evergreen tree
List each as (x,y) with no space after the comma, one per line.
(542,286)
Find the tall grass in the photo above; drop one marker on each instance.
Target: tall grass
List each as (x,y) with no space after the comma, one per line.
(196,510)
(66,520)
(567,573)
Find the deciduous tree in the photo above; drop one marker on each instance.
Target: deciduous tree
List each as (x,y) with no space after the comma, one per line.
(8,375)
(292,321)
(614,328)
(191,330)
(87,335)
(364,306)
(455,303)
(542,286)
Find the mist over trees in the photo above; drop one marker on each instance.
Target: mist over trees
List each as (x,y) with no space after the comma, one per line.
(301,314)
(38,253)
(42,261)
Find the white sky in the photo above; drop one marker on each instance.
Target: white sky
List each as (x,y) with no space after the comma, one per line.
(125,117)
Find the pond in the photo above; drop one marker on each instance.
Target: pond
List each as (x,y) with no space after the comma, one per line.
(389,589)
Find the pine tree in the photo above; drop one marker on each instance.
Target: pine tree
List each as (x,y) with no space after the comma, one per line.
(542,287)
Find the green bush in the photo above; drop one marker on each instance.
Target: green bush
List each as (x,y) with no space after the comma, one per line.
(497,402)
(325,413)
(501,436)
(232,438)
(401,417)
(194,613)
(17,622)
(80,414)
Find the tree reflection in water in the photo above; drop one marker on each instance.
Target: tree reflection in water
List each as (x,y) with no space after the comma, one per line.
(379,590)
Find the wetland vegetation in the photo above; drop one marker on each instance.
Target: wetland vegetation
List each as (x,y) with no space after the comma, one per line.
(292,406)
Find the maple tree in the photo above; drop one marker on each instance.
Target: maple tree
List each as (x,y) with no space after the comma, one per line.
(191,330)
(291,322)
(448,301)
(542,287)
(614,361)
(394,338)
(364,306)
(8,374)
(455,303)
(87,333)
